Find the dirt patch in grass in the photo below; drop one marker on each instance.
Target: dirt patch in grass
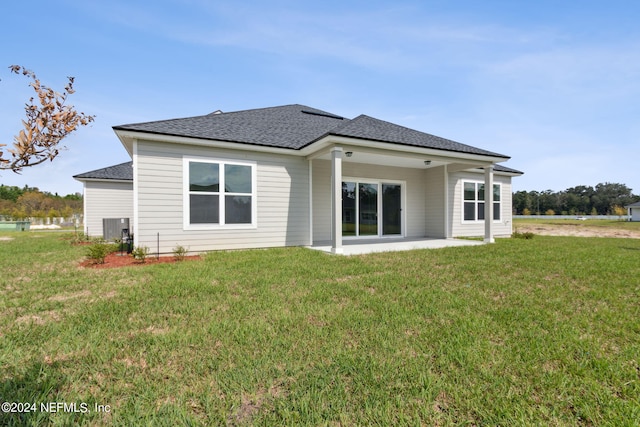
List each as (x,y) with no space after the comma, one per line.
(576,230)
(6,239)
(40,318)
(116,260)
(250,406)
(65,297)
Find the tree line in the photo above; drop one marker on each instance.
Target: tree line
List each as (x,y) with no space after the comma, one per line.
(603,199)
(29,202)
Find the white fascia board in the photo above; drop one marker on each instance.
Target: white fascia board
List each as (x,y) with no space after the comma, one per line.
(511,174)
(495,172)
(103,180)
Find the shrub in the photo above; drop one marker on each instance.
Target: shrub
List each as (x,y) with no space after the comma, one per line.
(140,253)
(99,250)
(179,252)
(79,237)
(527,235)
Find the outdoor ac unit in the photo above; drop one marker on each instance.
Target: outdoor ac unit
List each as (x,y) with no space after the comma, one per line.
(112,228)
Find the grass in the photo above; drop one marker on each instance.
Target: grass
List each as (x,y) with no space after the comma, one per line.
(522,332)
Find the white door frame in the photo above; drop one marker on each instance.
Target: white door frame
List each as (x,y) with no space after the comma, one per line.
(403,212)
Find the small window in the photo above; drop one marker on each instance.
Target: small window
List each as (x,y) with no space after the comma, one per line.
(219,193)
(204,177)
(473,203)
(469,191)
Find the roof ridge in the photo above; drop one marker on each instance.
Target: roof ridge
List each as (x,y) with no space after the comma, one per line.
(219,113)
(246,110)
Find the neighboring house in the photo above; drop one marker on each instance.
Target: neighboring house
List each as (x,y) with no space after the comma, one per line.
(634,211)
(108,193)
(296,176)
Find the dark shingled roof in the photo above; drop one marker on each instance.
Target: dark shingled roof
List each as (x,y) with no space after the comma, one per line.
(365,127)
(500,168)
(295,127)
(290,126)
(123,172)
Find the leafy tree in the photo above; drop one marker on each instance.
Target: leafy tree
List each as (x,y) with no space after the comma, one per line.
(31,202)
(578,200)
(619,211)
(10,193)
(34,203)
(608,195)
(46,125)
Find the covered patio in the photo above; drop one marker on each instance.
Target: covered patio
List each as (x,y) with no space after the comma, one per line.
(425,202)
(361,247)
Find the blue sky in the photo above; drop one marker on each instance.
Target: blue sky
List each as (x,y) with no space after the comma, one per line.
(555,85)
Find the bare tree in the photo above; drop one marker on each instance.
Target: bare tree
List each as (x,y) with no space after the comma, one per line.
(46,125)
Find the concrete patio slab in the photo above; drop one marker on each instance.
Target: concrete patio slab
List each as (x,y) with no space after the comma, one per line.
(360,247)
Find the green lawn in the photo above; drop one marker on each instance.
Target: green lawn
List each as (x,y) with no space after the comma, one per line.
(523,332)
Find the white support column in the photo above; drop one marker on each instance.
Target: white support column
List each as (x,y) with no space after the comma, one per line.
(310,201)
(136,207)
(447,228)
(488,204)
(336,200)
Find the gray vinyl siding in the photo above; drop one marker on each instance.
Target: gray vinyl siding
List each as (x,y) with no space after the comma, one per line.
(435,201)
(321,190)
(106,199)
(462,228)
(414,194)
(282,197)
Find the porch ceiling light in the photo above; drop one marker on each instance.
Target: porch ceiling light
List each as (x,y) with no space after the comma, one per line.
(427,162)
(349,153)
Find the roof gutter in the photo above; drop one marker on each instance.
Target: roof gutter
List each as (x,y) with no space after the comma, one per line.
(102,180)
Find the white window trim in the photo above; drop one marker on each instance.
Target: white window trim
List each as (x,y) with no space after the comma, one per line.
(478,221)
(186,208)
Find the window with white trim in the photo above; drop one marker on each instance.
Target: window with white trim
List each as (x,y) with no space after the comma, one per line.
(473,201)
(219,193)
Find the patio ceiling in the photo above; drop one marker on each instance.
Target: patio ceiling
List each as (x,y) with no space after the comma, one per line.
(403,159)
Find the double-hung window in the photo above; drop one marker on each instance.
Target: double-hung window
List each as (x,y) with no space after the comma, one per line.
(473,201)
(219,193)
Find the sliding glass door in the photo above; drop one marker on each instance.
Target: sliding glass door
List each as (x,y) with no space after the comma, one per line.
(391,209)
(367,211)
(349,211)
